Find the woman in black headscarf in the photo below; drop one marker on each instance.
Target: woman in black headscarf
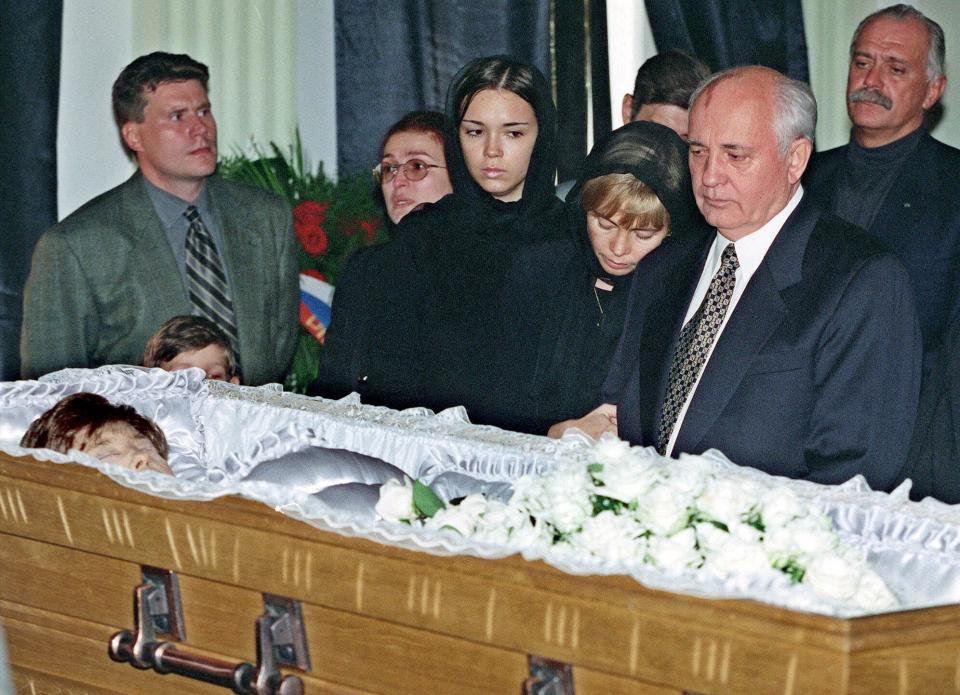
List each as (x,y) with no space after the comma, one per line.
(500,152)
(563,303)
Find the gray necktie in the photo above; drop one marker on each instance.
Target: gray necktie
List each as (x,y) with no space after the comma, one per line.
(206,281)
(693,346)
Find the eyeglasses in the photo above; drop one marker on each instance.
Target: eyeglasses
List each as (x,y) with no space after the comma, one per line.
(413,170)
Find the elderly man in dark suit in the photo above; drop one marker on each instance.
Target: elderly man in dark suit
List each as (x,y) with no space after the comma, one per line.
(893,179)
(173,239)
(788,339)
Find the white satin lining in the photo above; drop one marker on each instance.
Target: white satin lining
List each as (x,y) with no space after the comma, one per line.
(219,432)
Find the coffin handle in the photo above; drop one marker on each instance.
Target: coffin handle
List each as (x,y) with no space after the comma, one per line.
(142,650)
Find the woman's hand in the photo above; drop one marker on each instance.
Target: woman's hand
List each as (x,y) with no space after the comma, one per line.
(596,422)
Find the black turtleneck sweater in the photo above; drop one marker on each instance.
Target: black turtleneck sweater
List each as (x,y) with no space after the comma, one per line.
(867,175)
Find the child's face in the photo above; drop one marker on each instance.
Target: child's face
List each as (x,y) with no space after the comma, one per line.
(121,444)
(212,359)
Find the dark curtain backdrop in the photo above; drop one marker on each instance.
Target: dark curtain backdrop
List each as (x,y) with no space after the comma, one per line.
(29,82)
(581,50)
(725,33)
(394,57)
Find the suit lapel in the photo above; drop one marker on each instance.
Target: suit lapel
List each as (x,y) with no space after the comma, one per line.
(148,241)
(240,245)
(756,317)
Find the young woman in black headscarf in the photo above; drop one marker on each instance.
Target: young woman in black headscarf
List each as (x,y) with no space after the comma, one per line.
(563,303)
(501,160)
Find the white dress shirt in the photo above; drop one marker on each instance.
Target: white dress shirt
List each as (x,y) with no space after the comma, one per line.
(750,252)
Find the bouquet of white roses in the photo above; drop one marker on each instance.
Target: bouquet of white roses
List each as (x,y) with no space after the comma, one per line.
(631,507)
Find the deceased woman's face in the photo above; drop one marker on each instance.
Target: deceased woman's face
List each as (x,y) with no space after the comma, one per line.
(412,154)
(121,444)
(618,245)
(497,135)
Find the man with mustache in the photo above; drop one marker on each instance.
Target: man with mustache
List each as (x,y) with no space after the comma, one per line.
(173,239)
(893,179)
(787,339)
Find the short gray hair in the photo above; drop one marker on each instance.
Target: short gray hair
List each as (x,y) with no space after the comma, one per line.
(796,107)
(936,48)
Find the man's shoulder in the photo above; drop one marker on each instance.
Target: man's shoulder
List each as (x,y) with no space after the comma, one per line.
(939,160)
(838,248)
(823,165)
(103,215)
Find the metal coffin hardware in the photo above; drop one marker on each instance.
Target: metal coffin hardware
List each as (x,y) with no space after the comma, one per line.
(154,601)
(548,677)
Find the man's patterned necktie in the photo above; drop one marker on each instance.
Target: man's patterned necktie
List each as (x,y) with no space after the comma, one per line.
(693,346)
(206,281)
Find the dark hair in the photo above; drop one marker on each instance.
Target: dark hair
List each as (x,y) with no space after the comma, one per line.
(936,45)
(83,415)
(145,74)
(432,122)
(494,72)
(184,333)
(667,78)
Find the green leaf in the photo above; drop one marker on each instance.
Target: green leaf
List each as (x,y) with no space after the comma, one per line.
(425,500)
(603,504)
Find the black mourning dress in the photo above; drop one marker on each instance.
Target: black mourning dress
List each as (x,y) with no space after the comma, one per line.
(456,253)
(558,330)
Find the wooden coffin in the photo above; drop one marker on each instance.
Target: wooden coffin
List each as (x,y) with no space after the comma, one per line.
(380,619)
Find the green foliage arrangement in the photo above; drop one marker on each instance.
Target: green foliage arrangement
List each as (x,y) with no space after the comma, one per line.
(332,218)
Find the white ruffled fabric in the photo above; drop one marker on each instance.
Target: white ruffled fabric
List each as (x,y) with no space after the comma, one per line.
(218,433)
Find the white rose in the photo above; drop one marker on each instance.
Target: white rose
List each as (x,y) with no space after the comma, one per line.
(711,539)
(832,577)
(873,594)
(779,542)
(744,532)
(723,500)
(462,517)
(675,552)
(567,498)
(396,501)
(505,525)
(609,450)
(452,518)
(664,510)
(528,493)
(687,477)
(628,479)
(736,556)
(613,537)
(812,535)
(781,505)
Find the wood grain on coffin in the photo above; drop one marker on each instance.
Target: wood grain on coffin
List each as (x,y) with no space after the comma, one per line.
(48,644)
(28,682)
(391,620)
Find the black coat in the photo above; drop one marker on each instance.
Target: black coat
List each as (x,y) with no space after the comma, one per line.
(557,329)
(919,221)
(413,320)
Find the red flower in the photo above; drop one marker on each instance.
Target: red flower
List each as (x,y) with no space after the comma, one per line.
(314,274)
(370,228)
(308,217)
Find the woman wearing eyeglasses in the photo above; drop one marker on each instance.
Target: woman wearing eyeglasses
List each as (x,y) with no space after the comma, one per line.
(412,170)
(426,335)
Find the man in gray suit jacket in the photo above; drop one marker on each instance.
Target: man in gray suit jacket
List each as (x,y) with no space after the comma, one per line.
(173,239)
